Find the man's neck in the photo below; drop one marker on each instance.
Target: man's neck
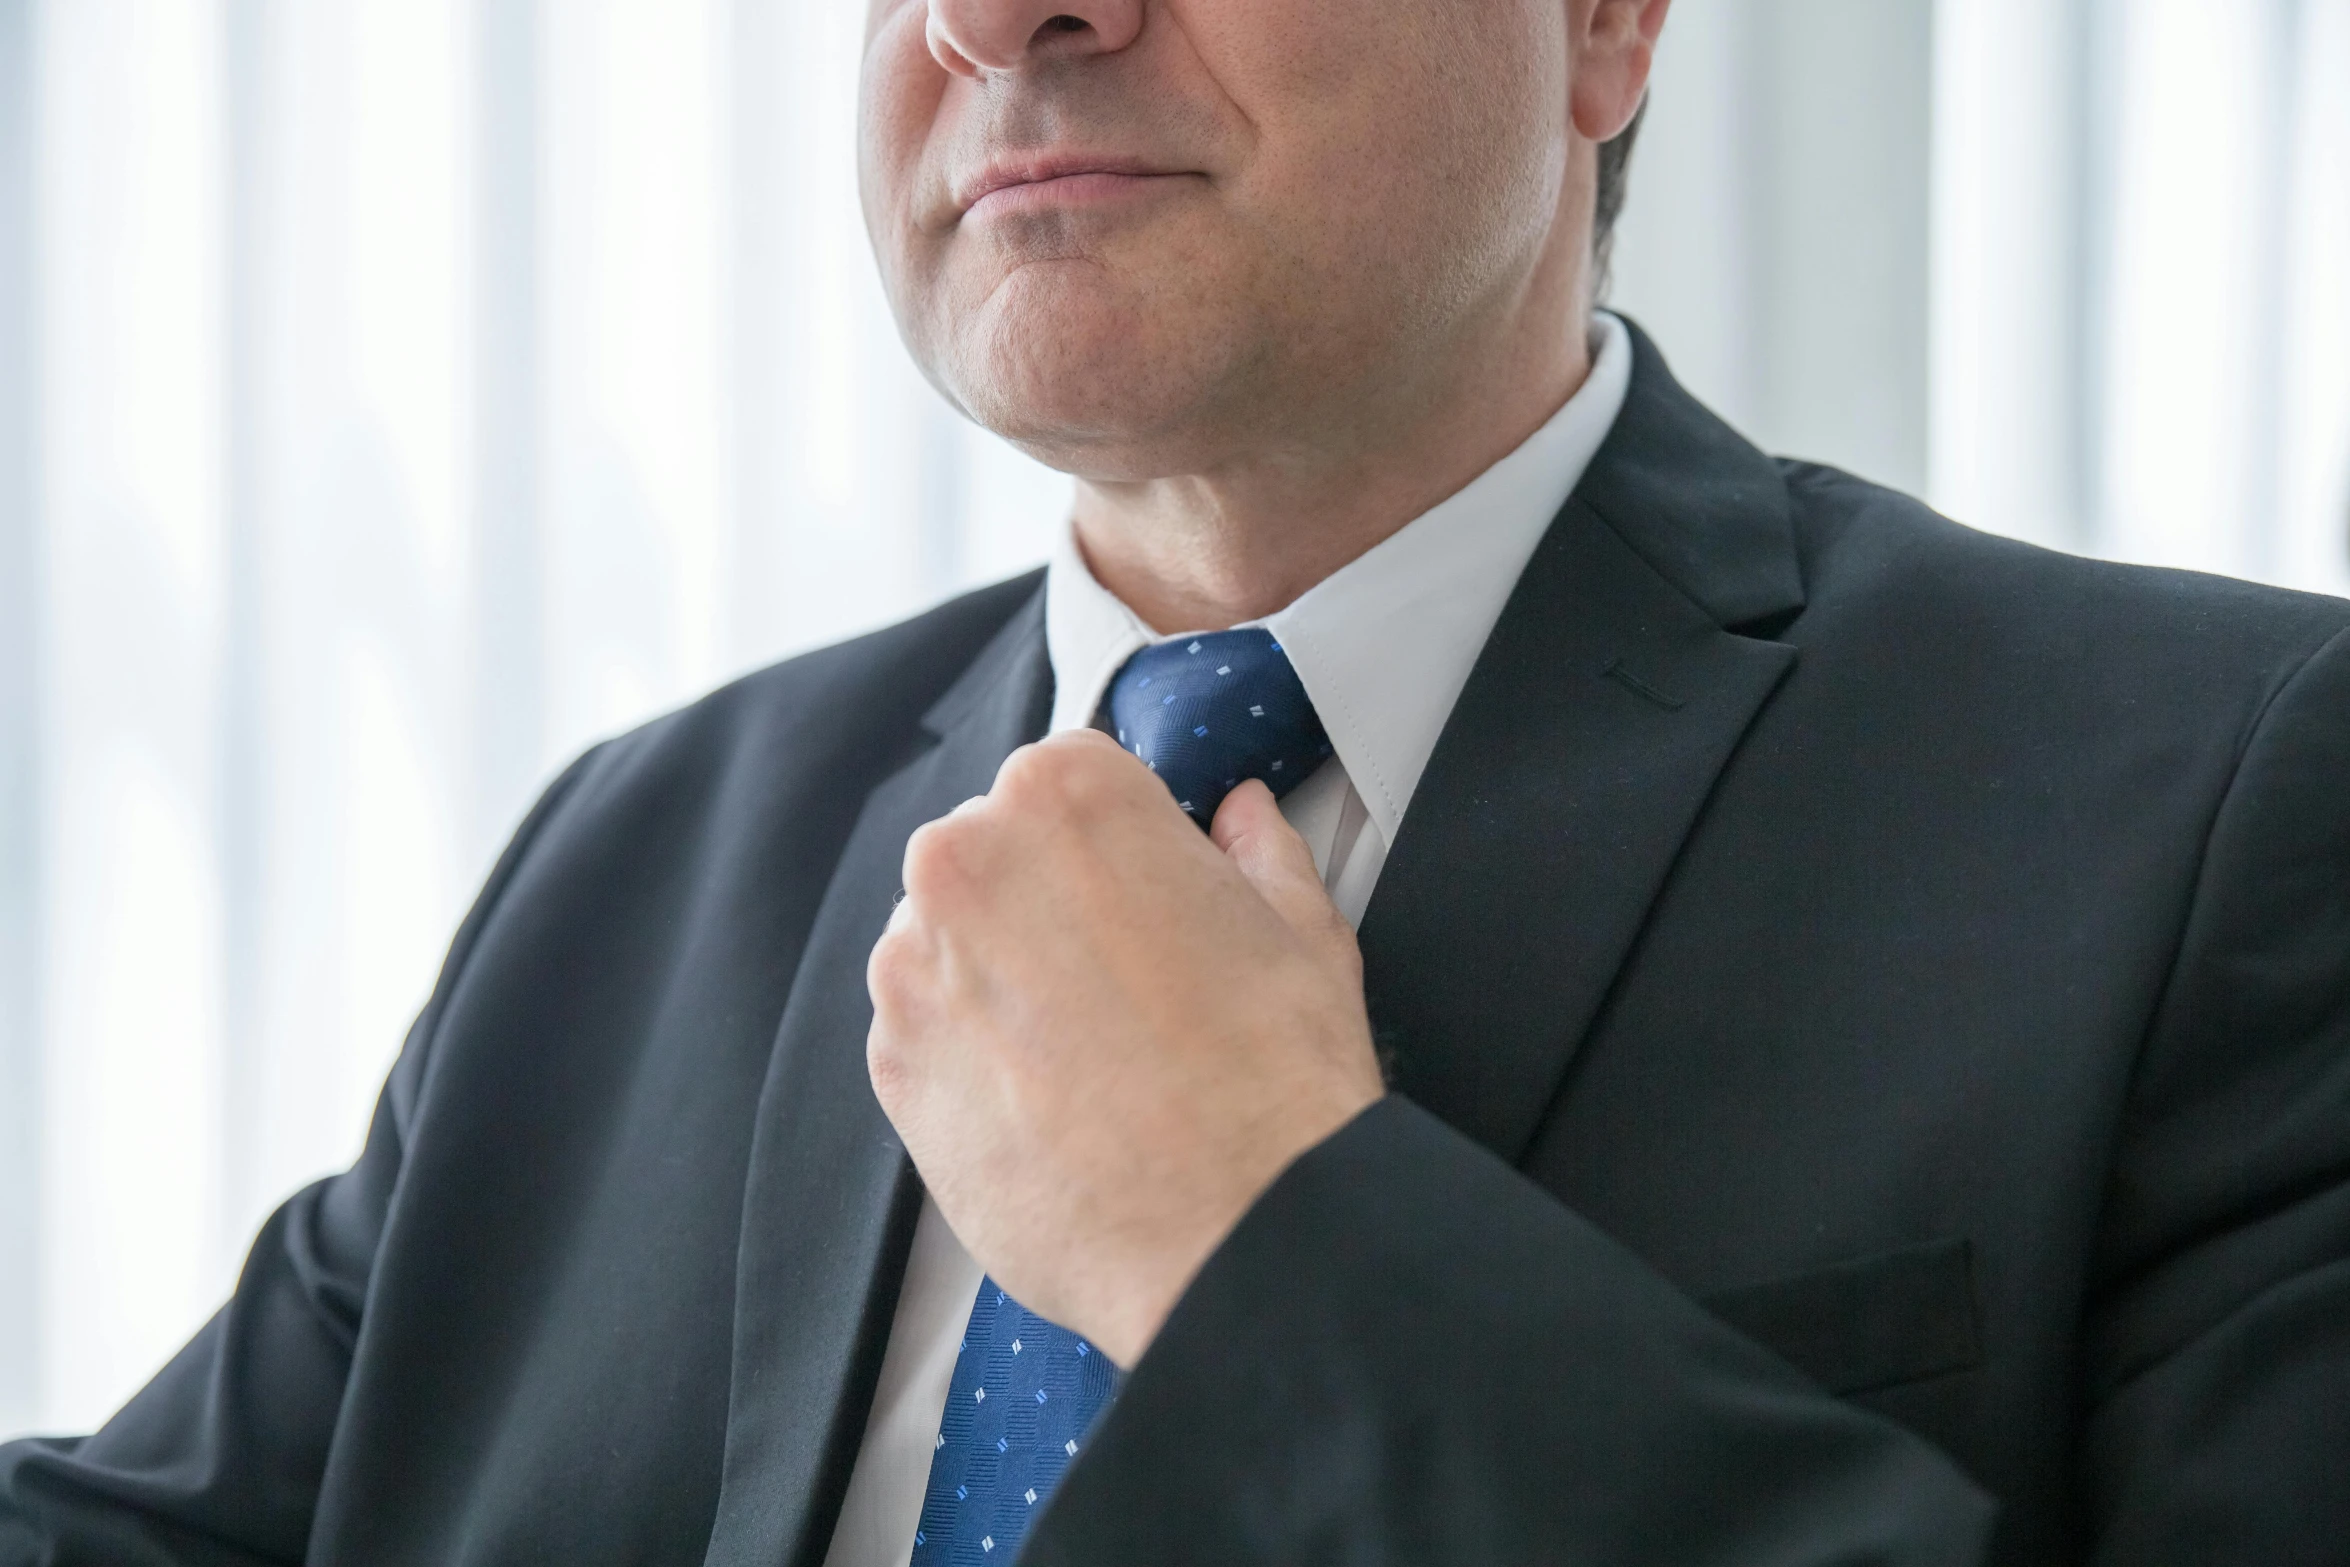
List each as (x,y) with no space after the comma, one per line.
(1205,551)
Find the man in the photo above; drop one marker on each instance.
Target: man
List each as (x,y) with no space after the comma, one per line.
(1847,1056)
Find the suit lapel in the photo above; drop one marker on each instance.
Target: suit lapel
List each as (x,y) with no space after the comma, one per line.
(1586,741)
(830,1204)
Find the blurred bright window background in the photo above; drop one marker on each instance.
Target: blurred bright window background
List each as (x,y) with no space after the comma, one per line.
(397,395)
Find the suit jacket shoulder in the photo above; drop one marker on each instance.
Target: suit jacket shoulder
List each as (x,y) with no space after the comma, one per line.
(1886,570)
(832,720)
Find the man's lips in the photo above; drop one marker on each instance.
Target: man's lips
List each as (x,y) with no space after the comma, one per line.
(1031,183)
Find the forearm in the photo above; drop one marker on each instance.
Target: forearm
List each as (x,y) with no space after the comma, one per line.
(1408,1351)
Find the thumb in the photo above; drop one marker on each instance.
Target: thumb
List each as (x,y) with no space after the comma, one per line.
(1254,835)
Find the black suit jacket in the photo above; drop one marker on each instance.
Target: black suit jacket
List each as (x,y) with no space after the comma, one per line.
(1869,1009)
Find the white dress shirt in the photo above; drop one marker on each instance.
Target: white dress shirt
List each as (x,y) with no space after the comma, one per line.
(1383,646)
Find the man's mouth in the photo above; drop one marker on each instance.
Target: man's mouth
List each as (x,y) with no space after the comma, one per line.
(1037,181)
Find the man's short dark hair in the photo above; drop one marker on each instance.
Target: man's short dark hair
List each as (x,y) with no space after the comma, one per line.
(1615,159)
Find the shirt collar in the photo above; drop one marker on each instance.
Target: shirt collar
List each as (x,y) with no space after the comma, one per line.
(1385,643)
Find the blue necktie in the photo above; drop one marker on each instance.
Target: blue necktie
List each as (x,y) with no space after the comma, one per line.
(1208,711)
(1205,712)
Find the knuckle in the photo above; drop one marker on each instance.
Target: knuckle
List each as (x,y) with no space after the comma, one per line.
(898,977)
(889,1070)
(1075,772)
(939,856)
(1034,775)
(888,970)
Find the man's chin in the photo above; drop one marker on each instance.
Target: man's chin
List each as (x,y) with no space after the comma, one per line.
(1105,438)
(1104,394)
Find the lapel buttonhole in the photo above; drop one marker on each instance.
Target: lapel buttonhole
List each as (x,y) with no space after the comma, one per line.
(1614,670)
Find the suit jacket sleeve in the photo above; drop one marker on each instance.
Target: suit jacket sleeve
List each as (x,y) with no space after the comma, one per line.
(1407,1352)
(218,1460)
(2219,1330)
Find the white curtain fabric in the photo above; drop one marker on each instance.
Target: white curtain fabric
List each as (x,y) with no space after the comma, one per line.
(396,395)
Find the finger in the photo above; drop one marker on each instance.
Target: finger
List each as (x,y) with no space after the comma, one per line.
(1074,739)
(898,969)
(1252,832)
(1057,747)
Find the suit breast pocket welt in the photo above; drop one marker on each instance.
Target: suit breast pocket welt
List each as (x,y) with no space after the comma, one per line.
(1874,1322)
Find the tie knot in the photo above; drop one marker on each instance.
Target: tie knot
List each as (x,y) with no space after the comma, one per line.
(1208,711)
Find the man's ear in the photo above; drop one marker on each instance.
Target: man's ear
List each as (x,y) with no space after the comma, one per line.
(1614,45)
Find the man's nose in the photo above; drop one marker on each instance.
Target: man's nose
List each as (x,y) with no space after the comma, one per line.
(975,37)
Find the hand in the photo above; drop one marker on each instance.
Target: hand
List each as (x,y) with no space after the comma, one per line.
(1103,1035)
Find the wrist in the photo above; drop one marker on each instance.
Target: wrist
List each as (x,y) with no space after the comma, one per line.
(1137,1302)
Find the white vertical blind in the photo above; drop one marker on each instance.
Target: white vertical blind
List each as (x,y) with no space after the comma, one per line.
(2191,267)
(20,601)
(2007,417)
(1776,242)
(2312,327)
(2079,270)
(129,233)
(397,394)
(351,406)
(2142,279)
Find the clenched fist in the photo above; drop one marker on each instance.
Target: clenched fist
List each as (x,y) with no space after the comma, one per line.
(1102,1034)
